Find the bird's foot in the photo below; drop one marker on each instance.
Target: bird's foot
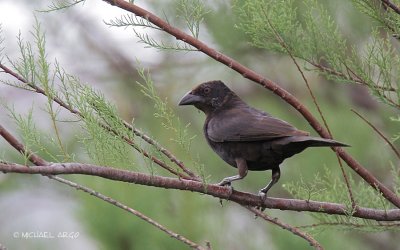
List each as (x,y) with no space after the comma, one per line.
(263,197)
(228,184)
(225,182)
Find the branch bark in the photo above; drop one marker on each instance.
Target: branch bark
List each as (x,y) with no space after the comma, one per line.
(266,83)
(217,191)
(190,174)
(35,159)
(391,5)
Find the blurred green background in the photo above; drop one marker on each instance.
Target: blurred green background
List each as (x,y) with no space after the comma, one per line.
(106,59)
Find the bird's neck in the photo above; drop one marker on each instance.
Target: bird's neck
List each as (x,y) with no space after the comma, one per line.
(230,101)
(233,101)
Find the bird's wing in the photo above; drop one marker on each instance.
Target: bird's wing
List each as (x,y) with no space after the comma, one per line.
(248,125)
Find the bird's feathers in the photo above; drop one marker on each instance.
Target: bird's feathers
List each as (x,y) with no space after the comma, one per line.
(248,124)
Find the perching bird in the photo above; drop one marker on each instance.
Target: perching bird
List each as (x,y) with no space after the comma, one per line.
(247,138)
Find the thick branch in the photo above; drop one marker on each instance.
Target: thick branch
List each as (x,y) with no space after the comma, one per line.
(213,190)
(35,159)
(391,5)
(257,78)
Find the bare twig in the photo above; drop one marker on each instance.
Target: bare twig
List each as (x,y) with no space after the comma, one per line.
(163,150)
(354,78)
(132,211)
(257,78)
(35,159)
(288,227)
(104,126)
(379,133)
(285,46)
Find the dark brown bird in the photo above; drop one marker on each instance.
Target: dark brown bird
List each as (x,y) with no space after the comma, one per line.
(247,138)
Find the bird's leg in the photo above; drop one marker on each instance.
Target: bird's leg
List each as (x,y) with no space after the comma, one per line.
(276,174)
(242,167)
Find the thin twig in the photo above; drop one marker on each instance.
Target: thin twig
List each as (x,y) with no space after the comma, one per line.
(288,227)
(259,79)
(357,80)
(163,150)
(39,162)
(109,129)
(397,153)
(132,211)
(285,46)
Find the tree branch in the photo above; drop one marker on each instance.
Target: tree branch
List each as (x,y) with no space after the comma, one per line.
(132,211)
(391,5)
(288,227)
(35,159)
(350,225)
(286,47)
(268,84)
(137,132)
(196,186)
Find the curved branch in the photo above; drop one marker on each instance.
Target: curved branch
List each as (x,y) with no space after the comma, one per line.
(118,204)
(35,159)
(294,230)
(268,84)
(217,191)
(137,132)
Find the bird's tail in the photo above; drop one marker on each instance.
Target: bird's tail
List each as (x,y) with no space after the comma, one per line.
(319,142)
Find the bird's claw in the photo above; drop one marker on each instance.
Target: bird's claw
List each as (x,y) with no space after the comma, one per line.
(262,194)
(224,183)
(263,197)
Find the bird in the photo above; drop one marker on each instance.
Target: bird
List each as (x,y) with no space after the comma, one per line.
(247,138)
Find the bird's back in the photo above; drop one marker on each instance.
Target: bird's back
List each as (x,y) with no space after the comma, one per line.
(262,140)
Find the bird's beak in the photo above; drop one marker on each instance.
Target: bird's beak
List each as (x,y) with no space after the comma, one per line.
(190,99)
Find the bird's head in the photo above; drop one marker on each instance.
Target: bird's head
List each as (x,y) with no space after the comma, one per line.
(208,96)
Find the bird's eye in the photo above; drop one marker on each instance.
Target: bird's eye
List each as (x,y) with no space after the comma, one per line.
(206,90)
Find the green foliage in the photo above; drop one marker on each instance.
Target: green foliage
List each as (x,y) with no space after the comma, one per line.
(396,137)
(328,187)
(103,134)
(170,122)
(385,17)
(57,5)
(313,36)
(381,66)
(191,11)
(255,20)
(31,136)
